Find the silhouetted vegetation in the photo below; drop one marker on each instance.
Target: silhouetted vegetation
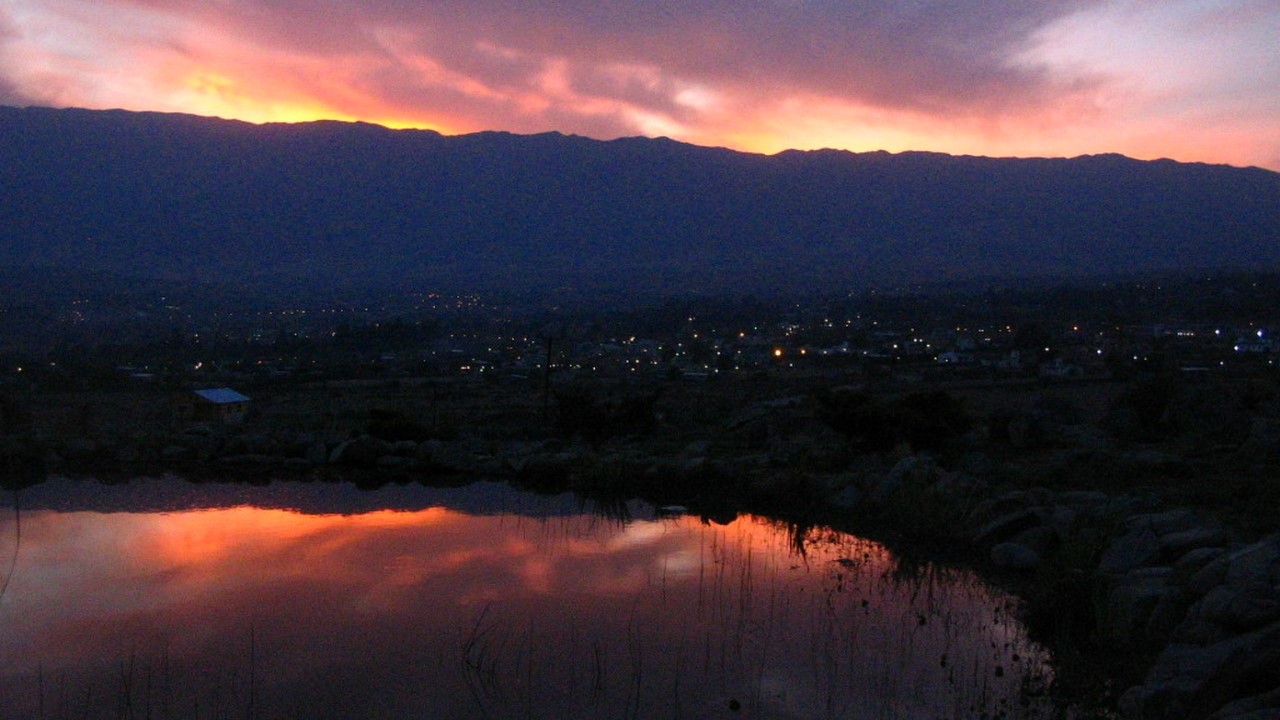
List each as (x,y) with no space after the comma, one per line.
(596,416)
(395,425)
(928,420)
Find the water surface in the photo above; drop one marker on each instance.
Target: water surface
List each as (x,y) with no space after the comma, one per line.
(160,599)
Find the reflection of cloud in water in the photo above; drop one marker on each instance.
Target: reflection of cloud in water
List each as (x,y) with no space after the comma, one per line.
(680,563)
(355,614)
(638,534)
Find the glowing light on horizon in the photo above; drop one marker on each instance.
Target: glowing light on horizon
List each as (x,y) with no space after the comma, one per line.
(1101,77)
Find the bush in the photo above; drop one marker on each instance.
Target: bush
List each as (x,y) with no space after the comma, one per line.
(394,426)
(931,420)
(583,413)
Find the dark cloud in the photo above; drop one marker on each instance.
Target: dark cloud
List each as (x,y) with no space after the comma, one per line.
(9,93)
(928,55)
(922,55)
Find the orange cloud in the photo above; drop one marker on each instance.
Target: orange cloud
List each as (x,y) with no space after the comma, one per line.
(1062,77)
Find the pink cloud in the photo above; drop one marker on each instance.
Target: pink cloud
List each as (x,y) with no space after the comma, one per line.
(968,75)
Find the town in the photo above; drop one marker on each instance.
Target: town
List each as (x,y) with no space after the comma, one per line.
(1221,326)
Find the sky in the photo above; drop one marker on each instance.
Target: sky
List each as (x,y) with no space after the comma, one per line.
(1192,80)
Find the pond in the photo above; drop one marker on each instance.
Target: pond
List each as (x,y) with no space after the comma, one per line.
(163,599)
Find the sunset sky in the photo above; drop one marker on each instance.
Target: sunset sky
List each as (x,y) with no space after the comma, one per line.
(1193,80)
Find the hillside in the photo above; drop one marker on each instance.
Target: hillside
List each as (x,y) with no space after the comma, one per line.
(324,203)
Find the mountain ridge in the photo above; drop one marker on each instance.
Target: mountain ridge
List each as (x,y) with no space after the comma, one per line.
(211,200)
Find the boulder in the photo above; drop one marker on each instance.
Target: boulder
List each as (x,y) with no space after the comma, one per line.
(79,448)
(1176,544)
(1213,574)
(1253,561)
(1168,614)
(177,453)
(1241,607)
(1137,548)
(1006,526)
(1193,561)
(987,510)
(1189,681)
(1014,556)
(316,453)
(1163,523)
(1043,539)
(847,499)
(1129,606)
(363,451)
(1264,706)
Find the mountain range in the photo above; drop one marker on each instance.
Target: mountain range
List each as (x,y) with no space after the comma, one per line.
(203,200)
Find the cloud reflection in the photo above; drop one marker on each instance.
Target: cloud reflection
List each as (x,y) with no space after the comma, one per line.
(406,613)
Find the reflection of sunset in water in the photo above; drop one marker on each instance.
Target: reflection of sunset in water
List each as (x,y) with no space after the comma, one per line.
(265,613)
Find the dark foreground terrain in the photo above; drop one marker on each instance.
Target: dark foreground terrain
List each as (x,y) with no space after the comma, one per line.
(1110,450)
(1136,516)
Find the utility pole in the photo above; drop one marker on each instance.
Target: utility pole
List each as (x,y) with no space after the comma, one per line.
(551,332)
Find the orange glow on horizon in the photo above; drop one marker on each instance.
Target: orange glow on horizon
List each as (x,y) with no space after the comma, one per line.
(214,94)
(212,536)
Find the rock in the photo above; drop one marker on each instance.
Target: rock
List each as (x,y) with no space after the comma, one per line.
(1014,556)
(1176,544)
(1062,519)
(697,448)
(545,471)
(884,487)
(918,470)
(1042,539)
(405,448)
(1084,498)
(1270,713)
(427,449)
(1030,429)
(1137,548)
(1170,521)
(1006,504)
(1241,607)
(363,451)
(1255,707)
(847,499)
(455,456)
(177,453)
(1187,681)
(79,448)
(1006,526)
(1195,630)
(316,453)
(1193,561)
(1168,614)
(1253,561)
(693,465)
(1129,607)
(1210,576)
(259,444)
(251,459)
(958,487)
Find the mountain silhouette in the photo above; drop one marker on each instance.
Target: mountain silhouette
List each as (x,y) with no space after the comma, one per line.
(196,199)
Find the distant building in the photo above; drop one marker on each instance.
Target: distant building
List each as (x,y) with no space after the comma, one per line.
(213,405)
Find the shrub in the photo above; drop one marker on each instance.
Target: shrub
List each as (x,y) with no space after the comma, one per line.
(930,420)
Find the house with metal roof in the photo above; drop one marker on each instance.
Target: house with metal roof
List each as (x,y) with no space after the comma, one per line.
(222,405)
